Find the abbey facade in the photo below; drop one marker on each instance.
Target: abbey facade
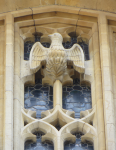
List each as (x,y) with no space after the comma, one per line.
(57,92)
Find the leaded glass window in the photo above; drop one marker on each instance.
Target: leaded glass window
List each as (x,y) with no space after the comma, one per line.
(77,97)
(39,98)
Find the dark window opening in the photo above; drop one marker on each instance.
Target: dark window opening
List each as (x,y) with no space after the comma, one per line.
(38,98)
(30,145)
(78,145)
(77,97)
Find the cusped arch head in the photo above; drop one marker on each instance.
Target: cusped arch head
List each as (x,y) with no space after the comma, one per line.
(79,126)
(39,126)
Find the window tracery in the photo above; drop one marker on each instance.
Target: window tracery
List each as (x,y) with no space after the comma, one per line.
(40,98)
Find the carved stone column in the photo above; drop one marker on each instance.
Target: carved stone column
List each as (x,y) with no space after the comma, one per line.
(9,79)
(17,90)
(57,93)
(98,90)
(106,82)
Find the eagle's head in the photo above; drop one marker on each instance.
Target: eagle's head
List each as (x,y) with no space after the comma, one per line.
(56,38)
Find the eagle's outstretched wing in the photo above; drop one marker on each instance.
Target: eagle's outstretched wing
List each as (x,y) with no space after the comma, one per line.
(75,54)
(37,55)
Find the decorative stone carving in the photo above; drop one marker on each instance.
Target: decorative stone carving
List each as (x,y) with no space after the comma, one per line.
(68,124)
(55,62)
(56,58)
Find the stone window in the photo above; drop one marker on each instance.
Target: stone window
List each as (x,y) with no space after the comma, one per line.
(39,98)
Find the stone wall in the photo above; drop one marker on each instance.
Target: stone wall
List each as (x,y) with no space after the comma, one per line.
(97,29)
(103,5)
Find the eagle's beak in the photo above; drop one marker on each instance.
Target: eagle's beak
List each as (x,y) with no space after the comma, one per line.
(50,35)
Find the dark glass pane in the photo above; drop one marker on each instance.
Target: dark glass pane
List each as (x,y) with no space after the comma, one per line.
(68,45)
(77,98)
(38,98)
(85,49)
(28,45)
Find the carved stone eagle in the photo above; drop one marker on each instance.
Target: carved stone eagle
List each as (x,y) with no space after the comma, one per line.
(56,57)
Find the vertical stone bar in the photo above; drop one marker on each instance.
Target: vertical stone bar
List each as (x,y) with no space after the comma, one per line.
(22,88)
(98,90)
(58,143)
(114,75)
(113,66)
(9,78)
(106,83)
(93,92)
(57,93)
(1,84)
(17,95)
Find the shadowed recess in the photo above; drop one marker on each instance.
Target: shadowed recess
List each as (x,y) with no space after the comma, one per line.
(30,145)
(78,145)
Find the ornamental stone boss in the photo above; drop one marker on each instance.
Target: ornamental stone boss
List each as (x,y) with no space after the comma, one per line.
(56,57)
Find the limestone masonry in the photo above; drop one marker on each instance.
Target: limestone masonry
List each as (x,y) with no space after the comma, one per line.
(57,75)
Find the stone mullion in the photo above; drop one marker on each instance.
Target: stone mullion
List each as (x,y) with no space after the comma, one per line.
(2,42)
(22,81)
(106,82)
(98,91)
(17,97)
(9,79)
(57,93)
